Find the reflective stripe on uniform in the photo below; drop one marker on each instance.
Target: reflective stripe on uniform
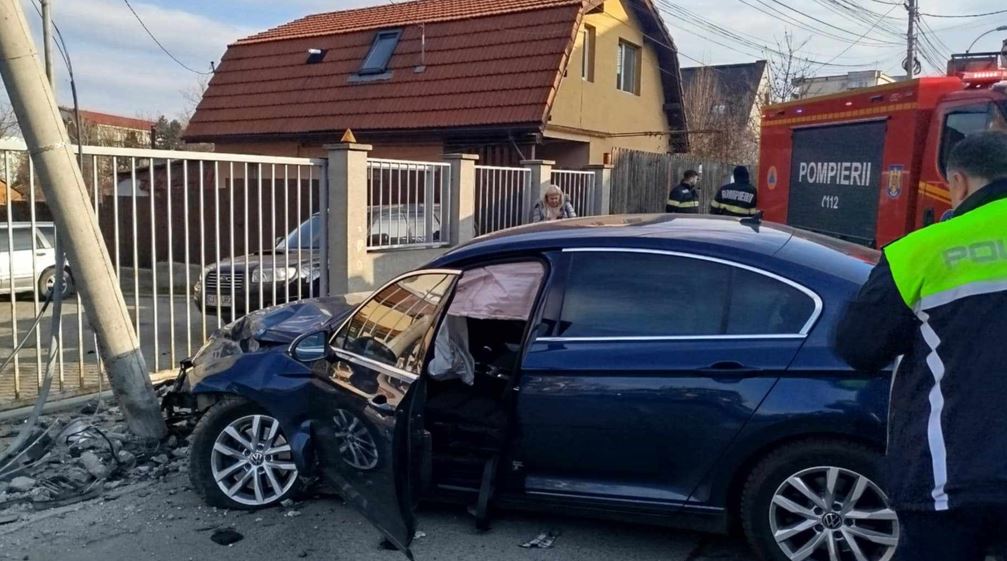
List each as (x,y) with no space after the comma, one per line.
(733,208)
(678,204)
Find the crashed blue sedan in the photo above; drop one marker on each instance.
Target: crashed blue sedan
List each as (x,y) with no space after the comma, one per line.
(671,370)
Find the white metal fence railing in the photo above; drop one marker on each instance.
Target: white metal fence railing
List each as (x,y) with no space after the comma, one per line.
(579,187)
(501,198)
(407,204)
(197,240)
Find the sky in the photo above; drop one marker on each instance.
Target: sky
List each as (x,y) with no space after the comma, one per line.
(119,69)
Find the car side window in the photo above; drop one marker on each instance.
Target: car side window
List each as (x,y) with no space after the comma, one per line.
(22,239)
(960,123)
(395,326)
(613,294)
(762,305)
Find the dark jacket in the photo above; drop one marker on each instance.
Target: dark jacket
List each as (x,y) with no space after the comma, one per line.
(735,199)
(683,198)
(939,298)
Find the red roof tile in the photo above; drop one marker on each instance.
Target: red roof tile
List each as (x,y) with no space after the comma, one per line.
(110,120)
(395,15)
(487,63)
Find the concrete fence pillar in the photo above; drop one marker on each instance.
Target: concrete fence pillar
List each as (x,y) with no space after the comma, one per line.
(462,210)
(541,178)
(347,220)
(602,202)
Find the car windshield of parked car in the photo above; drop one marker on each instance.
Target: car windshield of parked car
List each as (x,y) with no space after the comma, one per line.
(394,327)
(307,236)
(613,294)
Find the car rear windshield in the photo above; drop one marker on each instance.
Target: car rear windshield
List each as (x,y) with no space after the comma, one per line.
(844,259)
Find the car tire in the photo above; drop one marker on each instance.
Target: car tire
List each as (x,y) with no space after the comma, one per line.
(214,475)
(777,502)
(48,279)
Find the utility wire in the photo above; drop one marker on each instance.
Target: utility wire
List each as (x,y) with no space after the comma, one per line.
(777,14)
(163,48)
(998,12)
(847,49)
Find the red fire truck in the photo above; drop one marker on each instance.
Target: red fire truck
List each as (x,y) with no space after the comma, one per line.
(867,165)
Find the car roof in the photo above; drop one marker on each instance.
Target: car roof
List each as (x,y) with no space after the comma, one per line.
(716,235)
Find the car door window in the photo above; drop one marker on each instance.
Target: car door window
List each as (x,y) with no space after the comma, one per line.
(762,305)
(22,239)
(633,294)
(612,294)
(962,122)
(394,327)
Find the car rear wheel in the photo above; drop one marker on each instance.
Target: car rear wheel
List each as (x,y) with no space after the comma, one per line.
(240,458)
(47,281)
(819,501)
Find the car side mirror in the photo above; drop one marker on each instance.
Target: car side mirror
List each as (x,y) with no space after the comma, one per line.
(310,347)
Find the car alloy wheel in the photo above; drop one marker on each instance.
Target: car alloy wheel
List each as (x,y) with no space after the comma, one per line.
(252,462)
(833,514)
(356,445)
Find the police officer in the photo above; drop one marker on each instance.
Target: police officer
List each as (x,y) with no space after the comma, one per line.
(738,198)
(938,298)
(683,197)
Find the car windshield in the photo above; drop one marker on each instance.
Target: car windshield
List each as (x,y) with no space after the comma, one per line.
(307,236)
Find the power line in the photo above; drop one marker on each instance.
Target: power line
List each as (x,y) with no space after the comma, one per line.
(163,48)
(876,23)
(998,12)
(778,14)
(813,18)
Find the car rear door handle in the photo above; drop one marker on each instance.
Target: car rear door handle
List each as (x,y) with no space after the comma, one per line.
(730,369)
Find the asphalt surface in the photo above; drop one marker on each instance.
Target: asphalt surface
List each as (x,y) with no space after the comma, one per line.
(167,521)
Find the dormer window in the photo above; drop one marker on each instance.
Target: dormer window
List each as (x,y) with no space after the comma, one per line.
(376,61)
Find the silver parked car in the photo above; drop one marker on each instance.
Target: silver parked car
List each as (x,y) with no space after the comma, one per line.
(31,265)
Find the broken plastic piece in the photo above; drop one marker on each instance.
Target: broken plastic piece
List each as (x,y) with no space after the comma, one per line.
(545,540)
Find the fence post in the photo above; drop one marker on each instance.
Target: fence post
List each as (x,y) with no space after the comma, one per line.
(348,214)
(462,197)
(602,188)
(541,178)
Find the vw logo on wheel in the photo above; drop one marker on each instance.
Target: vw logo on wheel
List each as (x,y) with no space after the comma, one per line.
(832,520)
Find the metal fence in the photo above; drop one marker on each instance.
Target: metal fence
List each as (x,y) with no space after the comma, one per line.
(579,187)
(407,204)
(197,240)
(501,198)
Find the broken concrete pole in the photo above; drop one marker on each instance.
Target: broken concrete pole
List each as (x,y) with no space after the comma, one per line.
(93,465)
(21,484)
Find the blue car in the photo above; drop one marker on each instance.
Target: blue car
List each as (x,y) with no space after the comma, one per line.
(673,370)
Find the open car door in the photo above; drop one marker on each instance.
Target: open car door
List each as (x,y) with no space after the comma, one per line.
(366,419)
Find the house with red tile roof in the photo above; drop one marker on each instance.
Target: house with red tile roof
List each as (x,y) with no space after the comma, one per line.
(106,129)
(567,80)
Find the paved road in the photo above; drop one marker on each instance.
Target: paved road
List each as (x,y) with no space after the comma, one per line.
(167,522)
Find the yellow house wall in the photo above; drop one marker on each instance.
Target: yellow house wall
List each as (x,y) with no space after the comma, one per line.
(600,106)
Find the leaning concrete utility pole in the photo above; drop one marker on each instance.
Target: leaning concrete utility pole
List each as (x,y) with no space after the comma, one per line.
(64,189)
(911,39)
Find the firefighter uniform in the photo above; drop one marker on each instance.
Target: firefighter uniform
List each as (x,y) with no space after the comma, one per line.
(683,199)
(735,199)
(939,298)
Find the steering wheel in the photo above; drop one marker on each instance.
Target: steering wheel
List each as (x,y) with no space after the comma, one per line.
(373,349)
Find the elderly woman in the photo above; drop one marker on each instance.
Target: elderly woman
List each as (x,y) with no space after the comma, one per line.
(553,206)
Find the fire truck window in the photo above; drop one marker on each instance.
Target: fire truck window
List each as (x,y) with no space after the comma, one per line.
(962,122)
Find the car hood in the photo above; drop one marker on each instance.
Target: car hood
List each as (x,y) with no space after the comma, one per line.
(275,326)
(304,257)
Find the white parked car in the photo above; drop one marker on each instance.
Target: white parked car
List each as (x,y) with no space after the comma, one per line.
(29,267)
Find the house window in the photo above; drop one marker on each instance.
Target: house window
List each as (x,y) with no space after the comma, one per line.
(376,61)
(587,54)
(628,68)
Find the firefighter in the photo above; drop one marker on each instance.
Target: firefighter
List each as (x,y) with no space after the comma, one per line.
(684,198)
(738,198)
(938,298)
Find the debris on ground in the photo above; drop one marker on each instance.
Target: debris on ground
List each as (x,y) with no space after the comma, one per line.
(292,513)
(419,535)
(77,456)
(545,540)
(226,536)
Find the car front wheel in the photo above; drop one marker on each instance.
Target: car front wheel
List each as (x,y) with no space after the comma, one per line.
(240,458)
(819,501)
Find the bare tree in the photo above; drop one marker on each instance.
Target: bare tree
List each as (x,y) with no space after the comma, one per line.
(724,129)
(192,96)
(786,69)
(8,121)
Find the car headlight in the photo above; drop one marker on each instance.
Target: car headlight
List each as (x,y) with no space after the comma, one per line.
(270,275)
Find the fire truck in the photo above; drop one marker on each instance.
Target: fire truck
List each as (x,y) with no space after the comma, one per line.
(868,165)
